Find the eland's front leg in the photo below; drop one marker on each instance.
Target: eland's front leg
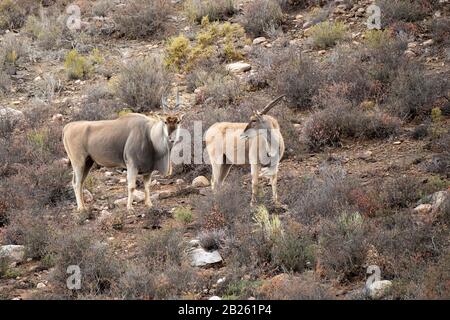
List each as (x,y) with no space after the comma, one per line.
(147,182)
(255,188)
(131,178)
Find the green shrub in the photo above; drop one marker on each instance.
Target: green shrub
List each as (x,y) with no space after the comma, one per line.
(77,66)
(183,214)
(48,31)
(214,40)
(327,34)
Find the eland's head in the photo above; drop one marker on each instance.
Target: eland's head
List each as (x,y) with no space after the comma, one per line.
(172,118)
(260,121)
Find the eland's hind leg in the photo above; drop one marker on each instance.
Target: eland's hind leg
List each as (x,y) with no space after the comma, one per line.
(77,183)
(224,171)
(273,182)
(215,174)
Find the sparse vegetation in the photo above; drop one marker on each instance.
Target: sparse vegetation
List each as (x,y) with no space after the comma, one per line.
(262,16)
(142,19)
(142,83)
(326,34)
(213,9)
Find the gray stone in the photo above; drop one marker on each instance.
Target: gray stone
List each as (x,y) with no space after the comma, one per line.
(11,115)
(13,253)
(438,198)
(202,258)
(200,182)
(378,289)
(423,208)
(259,40)
(238,67)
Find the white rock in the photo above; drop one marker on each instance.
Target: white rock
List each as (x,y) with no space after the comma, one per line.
(378,289)
(307,24)
(40,285)
(423,208)
(215,298)
(108,174)
(12,115)
(179,181)
(139,196)
(58,117)
(200,181)
(14,253)
(221,280)
(409,54)
(427,43)
(438,198)
(259,40)
(238,67)
(298,17)
(202,258)
(121,202)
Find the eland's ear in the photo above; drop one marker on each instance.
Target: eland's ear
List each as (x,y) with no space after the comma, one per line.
(180,117)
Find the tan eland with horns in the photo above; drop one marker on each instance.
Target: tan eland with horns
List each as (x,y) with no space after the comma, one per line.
(258,143)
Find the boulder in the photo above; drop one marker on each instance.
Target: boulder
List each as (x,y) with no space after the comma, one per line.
(378,289)
(202,258)
(424,208)
(10,115)
(13,253)
(200,182)
(438,198)
(259,40)
(238,67)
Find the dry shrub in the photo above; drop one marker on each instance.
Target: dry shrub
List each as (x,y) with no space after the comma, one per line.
(220,90)
(401,192)
(32,229)
(99,105)
(327,34)
(212,239)
(411,251)
(348,71)
(440,28)
(100,270)
(262,16)
(138,282)
(143,19)
(400,10)
(13,14)
(292,287)
(294,250)
(213,9)
(311,198)
(413,91)
(142,83)
(232,203)
(163,247)
(343,246)
(329,126)
(299,78)
(101,8)
(48,30)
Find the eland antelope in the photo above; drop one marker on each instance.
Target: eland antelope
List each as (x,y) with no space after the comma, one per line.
(258,143)
(139,143)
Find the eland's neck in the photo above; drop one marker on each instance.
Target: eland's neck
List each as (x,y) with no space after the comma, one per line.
(159,137)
